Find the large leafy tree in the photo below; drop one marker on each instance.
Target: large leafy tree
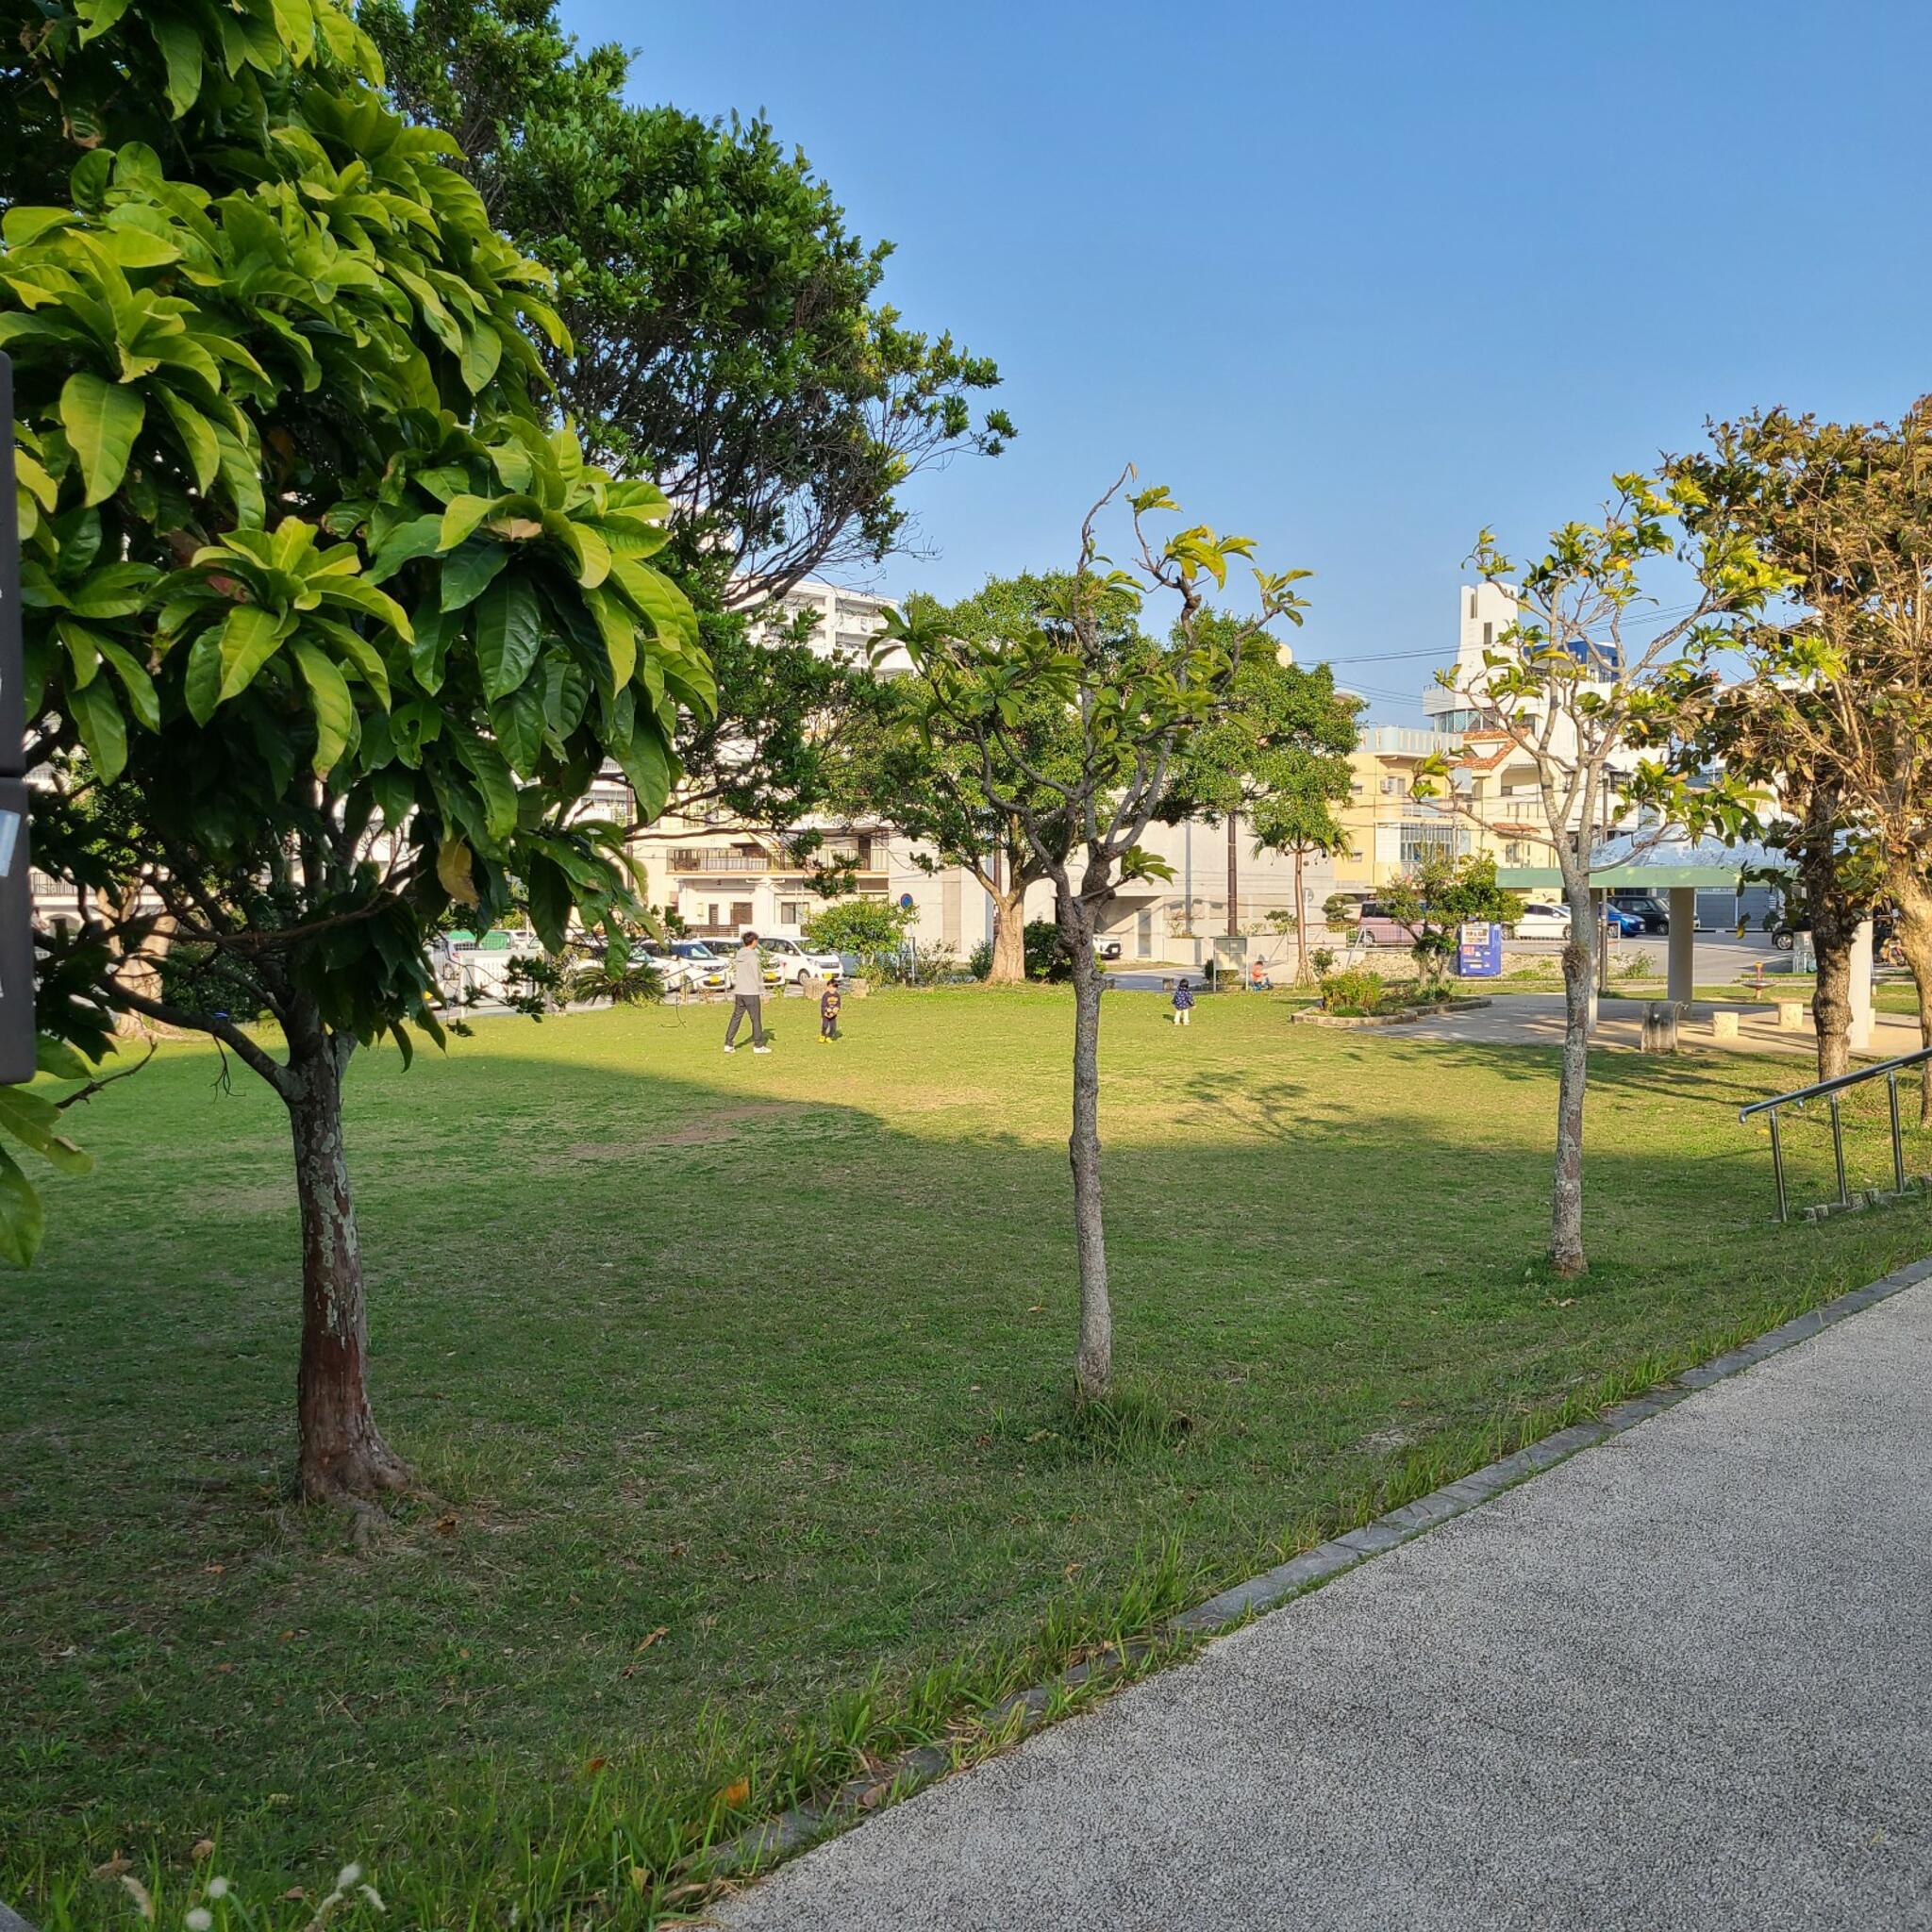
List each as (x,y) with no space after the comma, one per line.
(1837,716)
(726,338)
(327,630)
(1132,707)
(1276,754)
(920,770)
(1258,744)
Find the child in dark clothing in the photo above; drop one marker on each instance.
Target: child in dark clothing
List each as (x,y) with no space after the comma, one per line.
(828,1014)
(1183,1003)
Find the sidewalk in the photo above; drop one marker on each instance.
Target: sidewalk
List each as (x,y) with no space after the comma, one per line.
(1536,1018)
(1682,1680)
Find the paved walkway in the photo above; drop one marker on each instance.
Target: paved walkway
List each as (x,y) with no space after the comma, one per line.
(1682,1680)
(1536,1018)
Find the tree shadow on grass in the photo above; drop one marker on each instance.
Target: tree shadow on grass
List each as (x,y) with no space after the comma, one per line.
(760,1369)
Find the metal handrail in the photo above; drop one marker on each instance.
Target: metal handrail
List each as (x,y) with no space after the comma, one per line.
(1889,1071)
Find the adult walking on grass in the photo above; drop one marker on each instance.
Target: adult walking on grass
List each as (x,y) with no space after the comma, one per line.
(747,995)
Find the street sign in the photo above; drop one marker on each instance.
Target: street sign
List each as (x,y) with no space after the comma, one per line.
(1479,950)
(16,887)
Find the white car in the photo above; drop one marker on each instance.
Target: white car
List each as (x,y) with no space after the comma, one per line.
(704,971)
(678,973)
(796,961)
(1542,920)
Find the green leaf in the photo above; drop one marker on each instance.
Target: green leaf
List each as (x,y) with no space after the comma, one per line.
(494,781)
(142,699)
(34,1121)
(550,903)
(250,638)
(518,723)
(103,729)
(452,870)
(471,570)
(650,768)
(482,352)
(101,419)
(180,45)
(509,633)
(197,434)
(619,630)
(201,683)
(56,1058)
(419,537)
(23,1221)
(335,713)
(461,520)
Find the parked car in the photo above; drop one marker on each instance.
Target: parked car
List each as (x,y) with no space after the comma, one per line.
(1374,927)
(796,961)
(1106,949)
(465,964)
(678,973)
(1622,922)
(1783,933)
(709,972)
(1543,919)
(1653,914)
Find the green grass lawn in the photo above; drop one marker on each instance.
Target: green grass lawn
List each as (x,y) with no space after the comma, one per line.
(736,1388)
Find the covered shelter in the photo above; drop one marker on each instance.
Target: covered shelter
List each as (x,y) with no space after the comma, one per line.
(1673,871)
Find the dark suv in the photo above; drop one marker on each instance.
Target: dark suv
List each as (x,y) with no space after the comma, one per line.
(1652,913)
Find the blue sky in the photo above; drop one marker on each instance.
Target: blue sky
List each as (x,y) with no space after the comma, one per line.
(1352,279)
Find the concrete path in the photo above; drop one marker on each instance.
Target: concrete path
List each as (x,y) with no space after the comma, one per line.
(1536,1018)
(1682,1680)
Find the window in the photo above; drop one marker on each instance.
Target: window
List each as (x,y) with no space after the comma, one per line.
(794,912)
(1390,787)
(1471,603)
(1489,635)
(740,912)
(1421,836)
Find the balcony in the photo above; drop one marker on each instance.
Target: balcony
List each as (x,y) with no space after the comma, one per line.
(743,861)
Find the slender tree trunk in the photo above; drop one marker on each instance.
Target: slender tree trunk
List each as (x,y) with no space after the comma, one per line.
(1093,1359)
(1912,896)
(1831,1002)
(1234,877)
(1009,937)
(1566,1197)
(342,1455)
(1301,925)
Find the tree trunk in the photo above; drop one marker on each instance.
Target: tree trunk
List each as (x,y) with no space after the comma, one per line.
(1912,896)
(1831,1002)
(1566,1197)
(1301,924)
(1234,877)
(342,1456)
(1093,1359)
(1834,927)
(1009,937)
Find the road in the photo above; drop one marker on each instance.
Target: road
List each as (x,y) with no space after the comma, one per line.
(1683,1680)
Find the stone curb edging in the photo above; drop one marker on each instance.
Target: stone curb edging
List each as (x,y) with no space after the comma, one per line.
(1396,1016)
(791,1831)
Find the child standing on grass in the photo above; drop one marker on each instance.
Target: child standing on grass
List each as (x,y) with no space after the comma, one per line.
(828,1013)
(1183,1003)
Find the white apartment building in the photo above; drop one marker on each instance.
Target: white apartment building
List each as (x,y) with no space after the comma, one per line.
(723,880)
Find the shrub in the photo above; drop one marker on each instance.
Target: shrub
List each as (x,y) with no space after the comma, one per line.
(1323,959)
(1356,991)
(979,961)
(1339,909)
(873,929)
(1045,956)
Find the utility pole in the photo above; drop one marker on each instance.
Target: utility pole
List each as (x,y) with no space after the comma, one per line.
(16,886)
